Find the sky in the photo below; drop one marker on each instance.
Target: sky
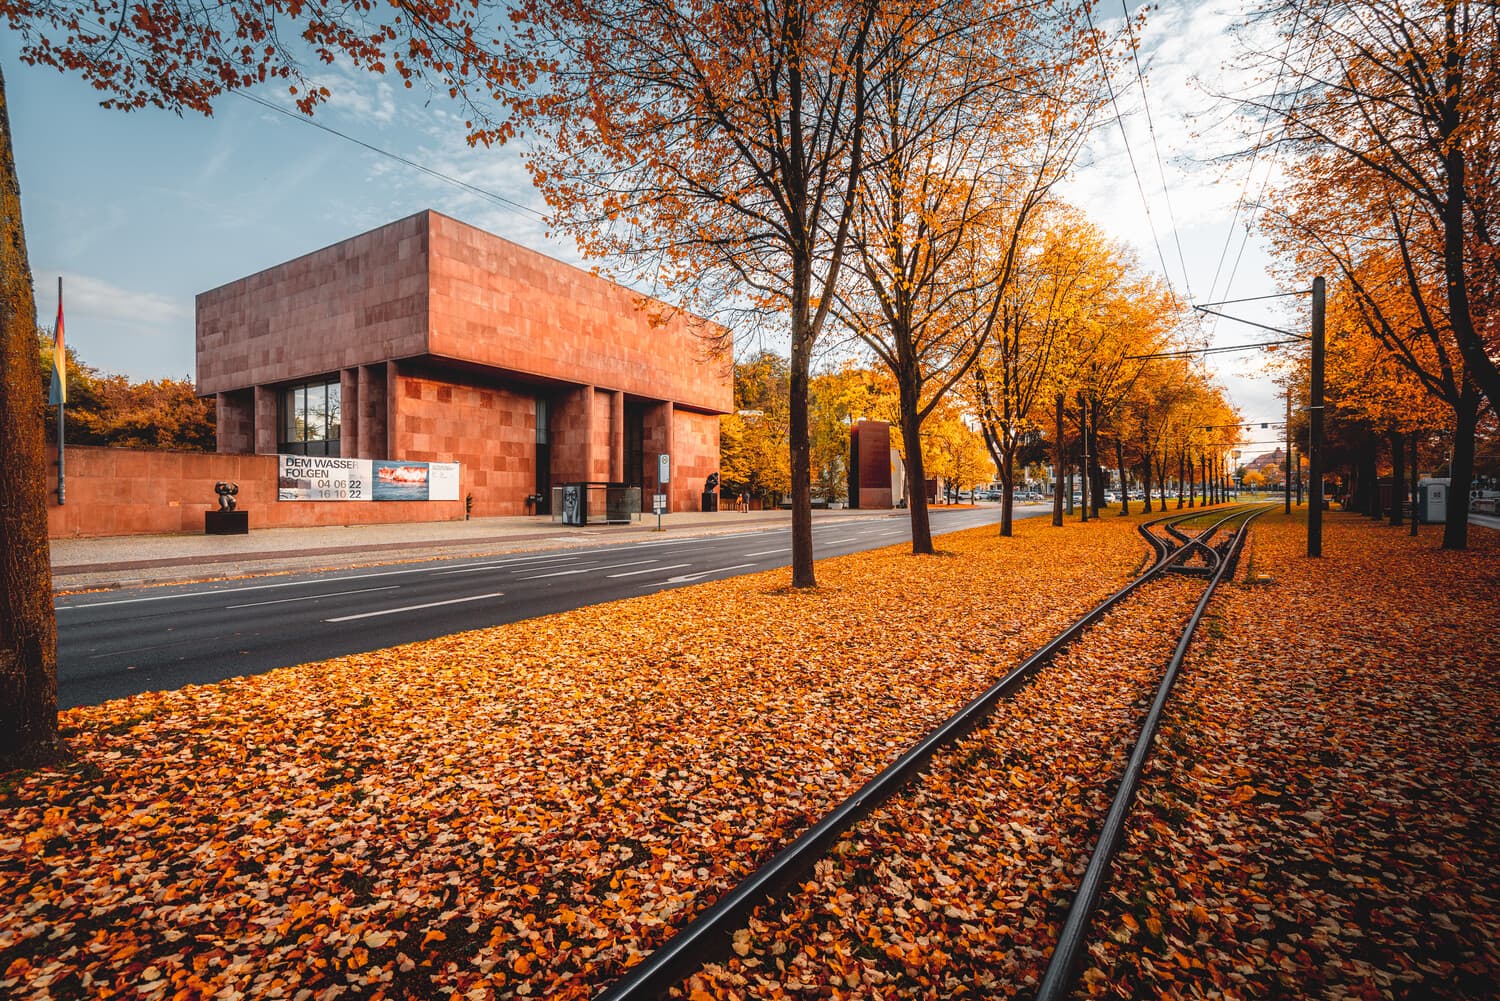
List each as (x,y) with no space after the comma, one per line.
(138,212)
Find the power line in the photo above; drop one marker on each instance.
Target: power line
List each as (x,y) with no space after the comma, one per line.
(1226,349)
(499,199)
(1129,154)
(1252,323)
(1161,168)
(448,178)
(1260,140)
(1258,298)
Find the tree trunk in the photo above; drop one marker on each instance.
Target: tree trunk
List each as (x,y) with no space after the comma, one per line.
(1398,479)
(1057,465)
(1191,482)
(1146,480)
(1161,479)
(1095,469)
(28,629)
(911,438)
(1478,361)
(1461,472)
(801,448)
(1369,472)
(1083,472)
(1007,489)
(1414,477)
(1124,486)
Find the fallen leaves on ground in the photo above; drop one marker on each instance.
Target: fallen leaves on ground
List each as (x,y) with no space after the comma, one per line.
(519,811)
(956,887)
(1320,819)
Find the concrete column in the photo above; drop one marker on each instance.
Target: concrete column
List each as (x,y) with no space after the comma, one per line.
(234,422)
(617,436)
(392,410)
(674,498)
(362,423)
(588,432)
(349,415)
(222,420)
(266,431)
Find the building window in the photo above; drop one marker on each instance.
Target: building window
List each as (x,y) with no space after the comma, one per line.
(310,419)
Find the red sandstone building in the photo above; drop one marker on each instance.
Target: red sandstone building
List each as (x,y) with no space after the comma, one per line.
(430,340)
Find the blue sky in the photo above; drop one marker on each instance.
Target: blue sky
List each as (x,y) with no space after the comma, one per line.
(141,211)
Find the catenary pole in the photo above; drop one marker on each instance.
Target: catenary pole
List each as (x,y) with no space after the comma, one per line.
(1315,421)
(60,365)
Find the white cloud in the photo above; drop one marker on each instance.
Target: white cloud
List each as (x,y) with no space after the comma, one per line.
(1184,50)
(148,334)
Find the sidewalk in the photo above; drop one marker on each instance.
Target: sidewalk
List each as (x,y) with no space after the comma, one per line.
(86,564)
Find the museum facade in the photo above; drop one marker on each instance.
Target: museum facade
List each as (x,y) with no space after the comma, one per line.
(428,340)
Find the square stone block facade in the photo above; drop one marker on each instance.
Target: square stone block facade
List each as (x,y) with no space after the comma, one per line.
(450,344)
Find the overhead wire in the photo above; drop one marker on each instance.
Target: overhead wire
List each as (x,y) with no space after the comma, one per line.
(493,196)
(1129,153)
(1260,140)
(1161,168)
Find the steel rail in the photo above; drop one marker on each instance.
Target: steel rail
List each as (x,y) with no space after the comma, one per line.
(1063,968)
(707,937)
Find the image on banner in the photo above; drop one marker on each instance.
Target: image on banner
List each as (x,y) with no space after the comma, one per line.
(397,480)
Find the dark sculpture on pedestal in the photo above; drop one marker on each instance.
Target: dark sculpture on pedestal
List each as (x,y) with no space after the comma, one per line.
(226,520)
(711,492)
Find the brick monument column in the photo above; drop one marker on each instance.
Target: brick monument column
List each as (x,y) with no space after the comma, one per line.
(617,436)
(265,420)
(349,416)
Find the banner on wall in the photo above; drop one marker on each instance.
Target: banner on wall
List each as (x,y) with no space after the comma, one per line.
(329,478)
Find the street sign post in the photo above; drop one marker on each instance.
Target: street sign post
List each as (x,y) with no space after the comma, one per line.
(658,504)
(663,468)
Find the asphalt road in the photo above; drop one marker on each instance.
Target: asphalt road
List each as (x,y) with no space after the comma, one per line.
(147,639)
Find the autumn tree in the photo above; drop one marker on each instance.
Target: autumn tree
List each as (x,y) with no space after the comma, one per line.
(178,56)
(984,113)
(1392,106)
(114,410)
(753,450)
(1391,288)
(1030,314)
(840,396)
(715,148)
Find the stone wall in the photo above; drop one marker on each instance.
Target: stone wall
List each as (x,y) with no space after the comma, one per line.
(358,302)
(490,431)
(124,491)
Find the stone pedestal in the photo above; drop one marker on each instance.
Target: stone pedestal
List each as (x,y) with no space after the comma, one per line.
(226,522)
(710,500)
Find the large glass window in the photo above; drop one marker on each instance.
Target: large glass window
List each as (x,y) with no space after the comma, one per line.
(310,418)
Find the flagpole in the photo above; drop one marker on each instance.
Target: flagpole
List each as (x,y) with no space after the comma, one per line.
(60,365)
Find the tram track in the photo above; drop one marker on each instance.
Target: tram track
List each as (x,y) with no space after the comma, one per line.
(722,931)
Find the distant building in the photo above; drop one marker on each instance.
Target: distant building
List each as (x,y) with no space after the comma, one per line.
(430,340)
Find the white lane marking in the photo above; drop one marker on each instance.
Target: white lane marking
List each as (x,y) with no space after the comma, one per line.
(686,577)
(413,608)
(634,573)
(837,542)
(505,563)
(315,597)
(250,587)
(565,573)
(770,552)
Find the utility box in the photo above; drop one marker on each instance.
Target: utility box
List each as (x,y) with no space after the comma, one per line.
(1432,500)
